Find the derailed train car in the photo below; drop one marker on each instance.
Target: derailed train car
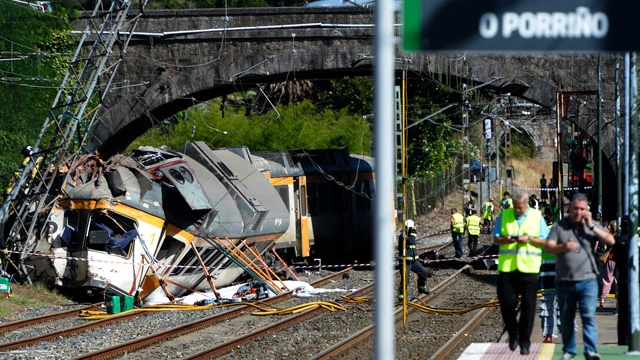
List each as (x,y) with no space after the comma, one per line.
(330,198)
(157,223)
(148,223)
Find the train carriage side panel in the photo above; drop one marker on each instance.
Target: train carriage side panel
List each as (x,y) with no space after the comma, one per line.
(293,192)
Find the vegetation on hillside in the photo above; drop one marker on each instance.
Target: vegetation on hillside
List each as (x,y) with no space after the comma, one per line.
(34,49)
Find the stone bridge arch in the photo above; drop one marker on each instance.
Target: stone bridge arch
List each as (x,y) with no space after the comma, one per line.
(180,58)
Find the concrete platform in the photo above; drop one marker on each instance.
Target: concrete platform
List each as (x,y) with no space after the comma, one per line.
(607,342)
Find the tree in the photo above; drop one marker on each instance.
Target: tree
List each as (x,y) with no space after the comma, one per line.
(299,125)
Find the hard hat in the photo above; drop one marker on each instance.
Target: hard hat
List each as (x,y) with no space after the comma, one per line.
(27,151)
(409,224)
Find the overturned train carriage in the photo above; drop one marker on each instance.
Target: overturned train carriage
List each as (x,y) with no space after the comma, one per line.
(330,197)
(146,223)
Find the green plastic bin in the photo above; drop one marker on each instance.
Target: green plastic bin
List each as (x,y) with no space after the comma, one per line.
(113,304)
(127,303)
(5,287)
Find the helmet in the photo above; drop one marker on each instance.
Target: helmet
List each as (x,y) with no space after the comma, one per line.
(27,151)
(409,224)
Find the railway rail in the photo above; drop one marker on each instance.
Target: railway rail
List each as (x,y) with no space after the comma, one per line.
(445,346)
(311,336)
(261,333)
(65,331)
(4,328)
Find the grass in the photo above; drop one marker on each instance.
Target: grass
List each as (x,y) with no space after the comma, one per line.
(529,171)
(25,297)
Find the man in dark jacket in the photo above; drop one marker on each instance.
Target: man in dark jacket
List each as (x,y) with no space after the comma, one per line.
(408,253)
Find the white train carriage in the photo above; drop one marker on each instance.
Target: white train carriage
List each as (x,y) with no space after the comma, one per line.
(152,222)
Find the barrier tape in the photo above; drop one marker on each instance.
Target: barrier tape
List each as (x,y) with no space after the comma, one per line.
(317,267)
(554,189)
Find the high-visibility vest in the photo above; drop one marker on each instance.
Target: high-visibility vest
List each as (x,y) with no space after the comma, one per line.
(547,279)
(486,210)
(473,225)
(458,223)
(526,257)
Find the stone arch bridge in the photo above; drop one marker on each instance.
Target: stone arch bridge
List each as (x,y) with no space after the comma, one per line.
(180,58)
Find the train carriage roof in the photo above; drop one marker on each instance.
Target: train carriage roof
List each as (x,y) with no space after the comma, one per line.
(311,162)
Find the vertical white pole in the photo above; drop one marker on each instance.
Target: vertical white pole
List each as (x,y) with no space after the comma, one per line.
(634,341)
(383,82)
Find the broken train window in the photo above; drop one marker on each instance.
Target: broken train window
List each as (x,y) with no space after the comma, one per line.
(111,232)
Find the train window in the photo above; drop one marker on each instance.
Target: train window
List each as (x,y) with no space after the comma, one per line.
(283,191)
(312,197)
(177,175)
(207,254)
(186,173)
(69,237)
(111,232)
(303,200)
(363,196)
(188,264)
(169,249)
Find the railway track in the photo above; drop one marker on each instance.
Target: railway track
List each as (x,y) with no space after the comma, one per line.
(14,325)
(433,335)
(309,334)
(71,329)
(234,344)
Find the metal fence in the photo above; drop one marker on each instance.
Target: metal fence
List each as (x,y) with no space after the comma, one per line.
(425,195)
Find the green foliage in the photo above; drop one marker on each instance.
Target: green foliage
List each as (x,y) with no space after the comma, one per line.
(300,125)
(30,83)
(522,146)
(355,94)
(434,143)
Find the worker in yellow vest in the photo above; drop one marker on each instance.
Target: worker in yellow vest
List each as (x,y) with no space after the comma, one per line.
(473,231)
(457,229)
(487,214)
(520,233)
(507,201)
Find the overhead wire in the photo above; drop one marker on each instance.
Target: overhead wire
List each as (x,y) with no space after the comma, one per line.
(333,179)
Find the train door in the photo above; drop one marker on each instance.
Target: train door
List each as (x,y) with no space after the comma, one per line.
(302,223)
